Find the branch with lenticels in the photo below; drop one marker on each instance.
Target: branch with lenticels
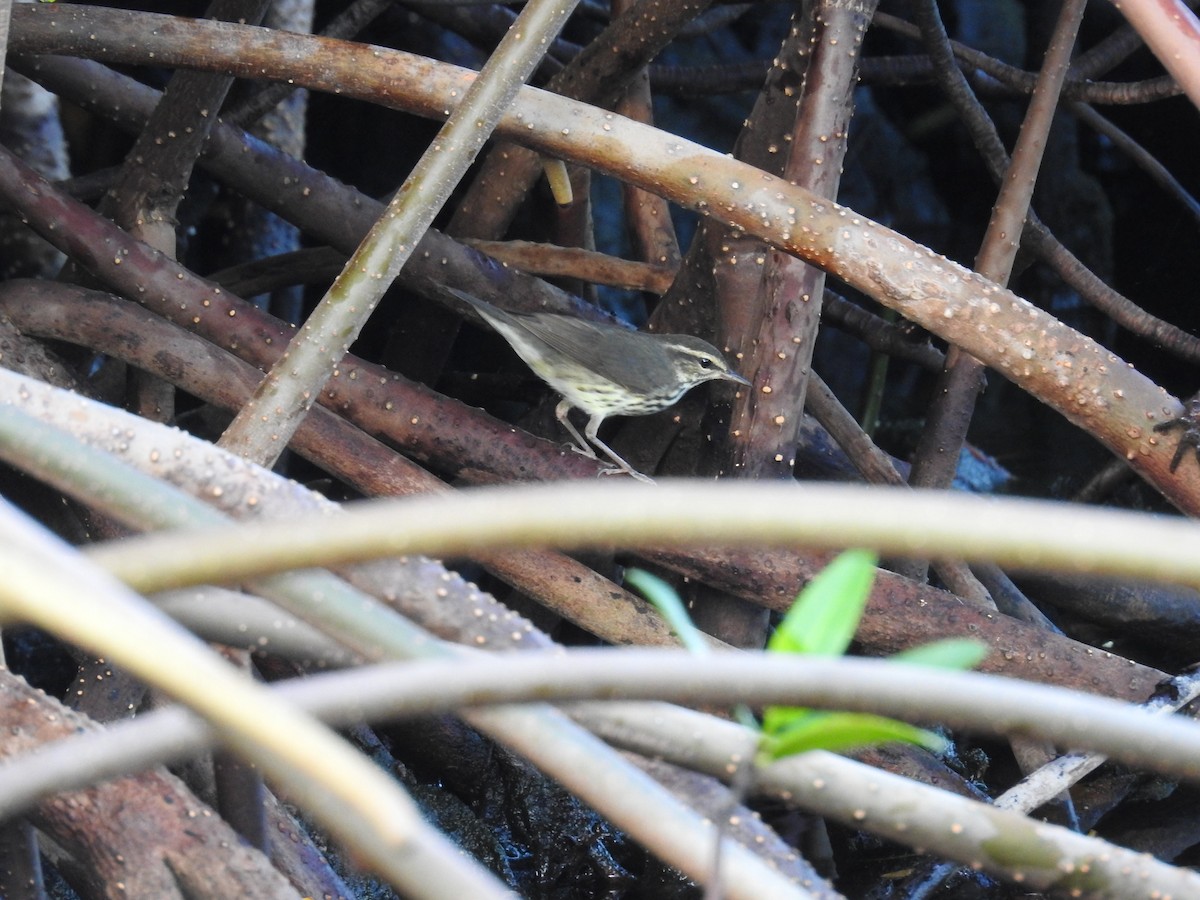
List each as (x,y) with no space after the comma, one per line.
(1056,364)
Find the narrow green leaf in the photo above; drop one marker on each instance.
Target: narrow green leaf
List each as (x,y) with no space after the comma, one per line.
(843,731)
(951,653)
(663,597)
(826,613)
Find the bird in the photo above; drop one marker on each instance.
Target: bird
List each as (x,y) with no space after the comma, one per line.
(605,369)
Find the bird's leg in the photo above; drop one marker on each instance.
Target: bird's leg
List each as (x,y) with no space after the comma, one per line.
(1190,423)
(561,412)
(593,426)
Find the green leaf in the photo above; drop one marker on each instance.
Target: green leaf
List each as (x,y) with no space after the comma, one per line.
(951,653)
(826,613)
(821,622)
(777,719)
(842,731)
(663,597)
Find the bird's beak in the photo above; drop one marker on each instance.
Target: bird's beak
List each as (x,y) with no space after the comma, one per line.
(734,376)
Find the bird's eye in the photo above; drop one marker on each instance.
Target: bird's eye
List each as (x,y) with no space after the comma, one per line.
(705,362)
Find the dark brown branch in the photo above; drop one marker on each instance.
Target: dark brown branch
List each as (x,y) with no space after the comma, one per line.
(141,836)
(988,76)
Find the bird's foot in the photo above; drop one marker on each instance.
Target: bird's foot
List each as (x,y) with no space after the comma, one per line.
(1190,423)
(583,451)
(632,473)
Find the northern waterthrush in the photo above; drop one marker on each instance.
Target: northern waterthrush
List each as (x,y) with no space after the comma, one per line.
(605,370)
